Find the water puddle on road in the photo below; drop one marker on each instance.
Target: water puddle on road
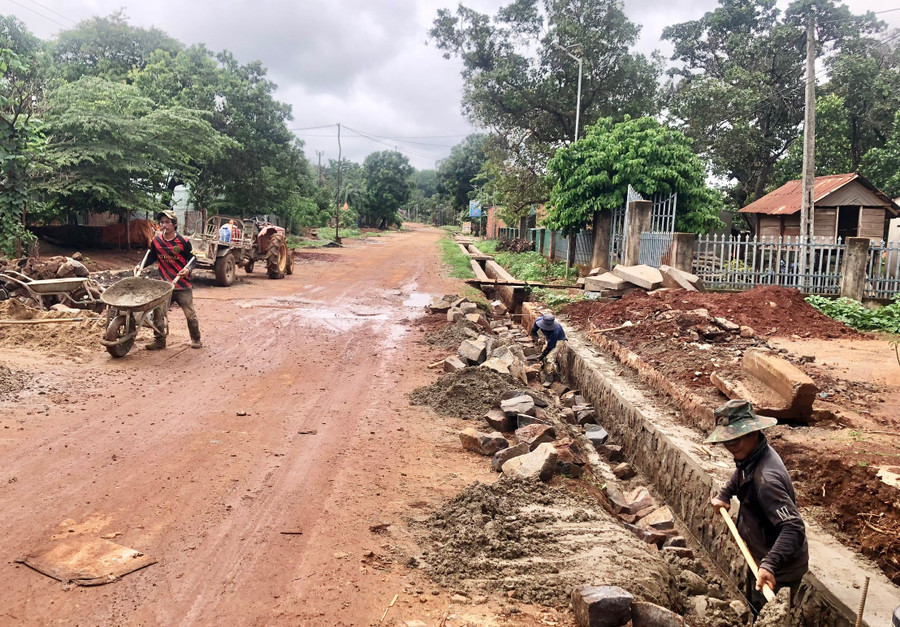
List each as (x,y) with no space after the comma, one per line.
(417,299)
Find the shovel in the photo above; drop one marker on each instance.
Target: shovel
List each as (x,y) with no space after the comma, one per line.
(143,261)
(767,591)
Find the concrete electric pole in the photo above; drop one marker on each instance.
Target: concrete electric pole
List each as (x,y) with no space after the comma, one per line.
(807,203)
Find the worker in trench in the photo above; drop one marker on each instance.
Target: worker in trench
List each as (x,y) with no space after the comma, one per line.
(172,252)
(553,332)
(768,521)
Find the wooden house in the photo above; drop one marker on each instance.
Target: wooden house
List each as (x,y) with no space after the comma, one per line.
(845,205)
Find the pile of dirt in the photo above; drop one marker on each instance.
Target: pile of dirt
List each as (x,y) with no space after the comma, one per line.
(448,336)
(465,394)
(769,310)
(11,381)
(540,542)
(62,337)
(308,257)
(864,510)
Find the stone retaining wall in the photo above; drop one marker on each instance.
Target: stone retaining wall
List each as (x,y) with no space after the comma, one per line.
(659,447)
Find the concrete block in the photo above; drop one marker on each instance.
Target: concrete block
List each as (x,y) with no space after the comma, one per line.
(468,308)
(478,320)
(538,464)
(504,455)
(439,305)
(454,315)
(499,421)
(522,404)
(645,614)
(568,399)
(598,271)
(482,443)
(569,416)
(601,606)
(788,381)
(676,541)
(453,364)
(640,275)
(638,499)
(559,388)
(539,400)
(624,471)
(675,278)
(606,281)
(474,351)
(498,308)
(650,536)
(747,332)
(535,435)
(585,416)
(610,452)
(727,324)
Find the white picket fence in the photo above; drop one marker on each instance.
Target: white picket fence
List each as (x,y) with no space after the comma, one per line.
(740,263)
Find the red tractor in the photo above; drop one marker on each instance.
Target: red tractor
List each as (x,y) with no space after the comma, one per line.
(227,243)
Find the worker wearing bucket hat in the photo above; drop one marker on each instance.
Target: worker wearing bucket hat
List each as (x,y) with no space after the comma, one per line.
(554,334)
(768,520)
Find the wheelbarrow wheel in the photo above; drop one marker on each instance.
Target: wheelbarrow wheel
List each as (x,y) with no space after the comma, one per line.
(117,329)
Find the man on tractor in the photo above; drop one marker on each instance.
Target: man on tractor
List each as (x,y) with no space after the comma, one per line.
(172,252)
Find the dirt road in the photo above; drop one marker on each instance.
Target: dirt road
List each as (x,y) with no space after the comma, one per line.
(152,450)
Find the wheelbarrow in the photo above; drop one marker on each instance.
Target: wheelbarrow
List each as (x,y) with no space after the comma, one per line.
(61,289)
(131,304)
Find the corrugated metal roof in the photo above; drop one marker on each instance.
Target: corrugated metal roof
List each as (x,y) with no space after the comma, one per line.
(786,199)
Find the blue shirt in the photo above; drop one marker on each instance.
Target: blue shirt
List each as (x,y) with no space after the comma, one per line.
(553,336)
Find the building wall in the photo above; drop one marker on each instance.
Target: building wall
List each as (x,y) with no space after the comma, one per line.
(871,223)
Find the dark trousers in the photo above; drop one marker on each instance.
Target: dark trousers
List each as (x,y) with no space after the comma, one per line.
(185,300)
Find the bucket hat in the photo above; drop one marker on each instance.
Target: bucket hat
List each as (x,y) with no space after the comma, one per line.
(736,418)
(547,322)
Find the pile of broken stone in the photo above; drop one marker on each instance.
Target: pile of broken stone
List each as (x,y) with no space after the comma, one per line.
(497,344)
(601,284)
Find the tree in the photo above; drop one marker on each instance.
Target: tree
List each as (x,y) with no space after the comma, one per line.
(264,169)
(456,173)
(22,80)
(107,47)
(833,144)
(387,177)
(738,86)
(522,87)
(593,174)
(110,149)
(882,165)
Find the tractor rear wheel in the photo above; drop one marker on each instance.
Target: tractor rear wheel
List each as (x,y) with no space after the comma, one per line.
(276,257)
(225,269)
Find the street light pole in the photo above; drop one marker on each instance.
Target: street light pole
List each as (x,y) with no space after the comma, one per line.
(570,252)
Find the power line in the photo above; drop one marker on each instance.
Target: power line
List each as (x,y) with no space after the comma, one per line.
(43,6)
(46,17)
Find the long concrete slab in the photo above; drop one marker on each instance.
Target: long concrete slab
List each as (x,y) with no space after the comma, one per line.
(664,450)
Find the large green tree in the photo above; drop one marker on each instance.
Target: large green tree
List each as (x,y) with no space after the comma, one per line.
(387,175)
(594,173)
(738,82)
(882,164)
(456,173)
(107,47)
(111,149)
(523,87)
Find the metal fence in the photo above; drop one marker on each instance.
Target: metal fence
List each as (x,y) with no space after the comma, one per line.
(739,263)
(883,269)
(655,248)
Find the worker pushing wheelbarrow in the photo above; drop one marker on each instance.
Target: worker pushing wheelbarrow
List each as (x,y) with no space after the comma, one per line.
(136,302)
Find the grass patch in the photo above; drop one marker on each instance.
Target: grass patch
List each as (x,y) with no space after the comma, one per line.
(455,259)
(528,266)
(554,298)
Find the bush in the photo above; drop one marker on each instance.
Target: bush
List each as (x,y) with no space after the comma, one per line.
(515,245)
(854,314)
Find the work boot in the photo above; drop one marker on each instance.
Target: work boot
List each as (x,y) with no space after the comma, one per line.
(156,345)
(196,343)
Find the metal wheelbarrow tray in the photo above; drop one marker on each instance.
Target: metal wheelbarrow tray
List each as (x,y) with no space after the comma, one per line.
(37,288)
(137,294)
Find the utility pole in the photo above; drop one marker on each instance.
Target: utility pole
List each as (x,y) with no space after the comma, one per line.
(319,154)
(337,207)
(807,202)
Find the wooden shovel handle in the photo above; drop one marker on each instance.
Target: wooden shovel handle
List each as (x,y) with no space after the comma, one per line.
(767,591)
(144,261)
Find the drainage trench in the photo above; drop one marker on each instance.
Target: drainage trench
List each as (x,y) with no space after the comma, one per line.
(666,452)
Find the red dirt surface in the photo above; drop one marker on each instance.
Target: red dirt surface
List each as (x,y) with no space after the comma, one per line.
(292,514)
(769,310)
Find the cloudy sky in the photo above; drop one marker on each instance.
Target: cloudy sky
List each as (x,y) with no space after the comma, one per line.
(363,63)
